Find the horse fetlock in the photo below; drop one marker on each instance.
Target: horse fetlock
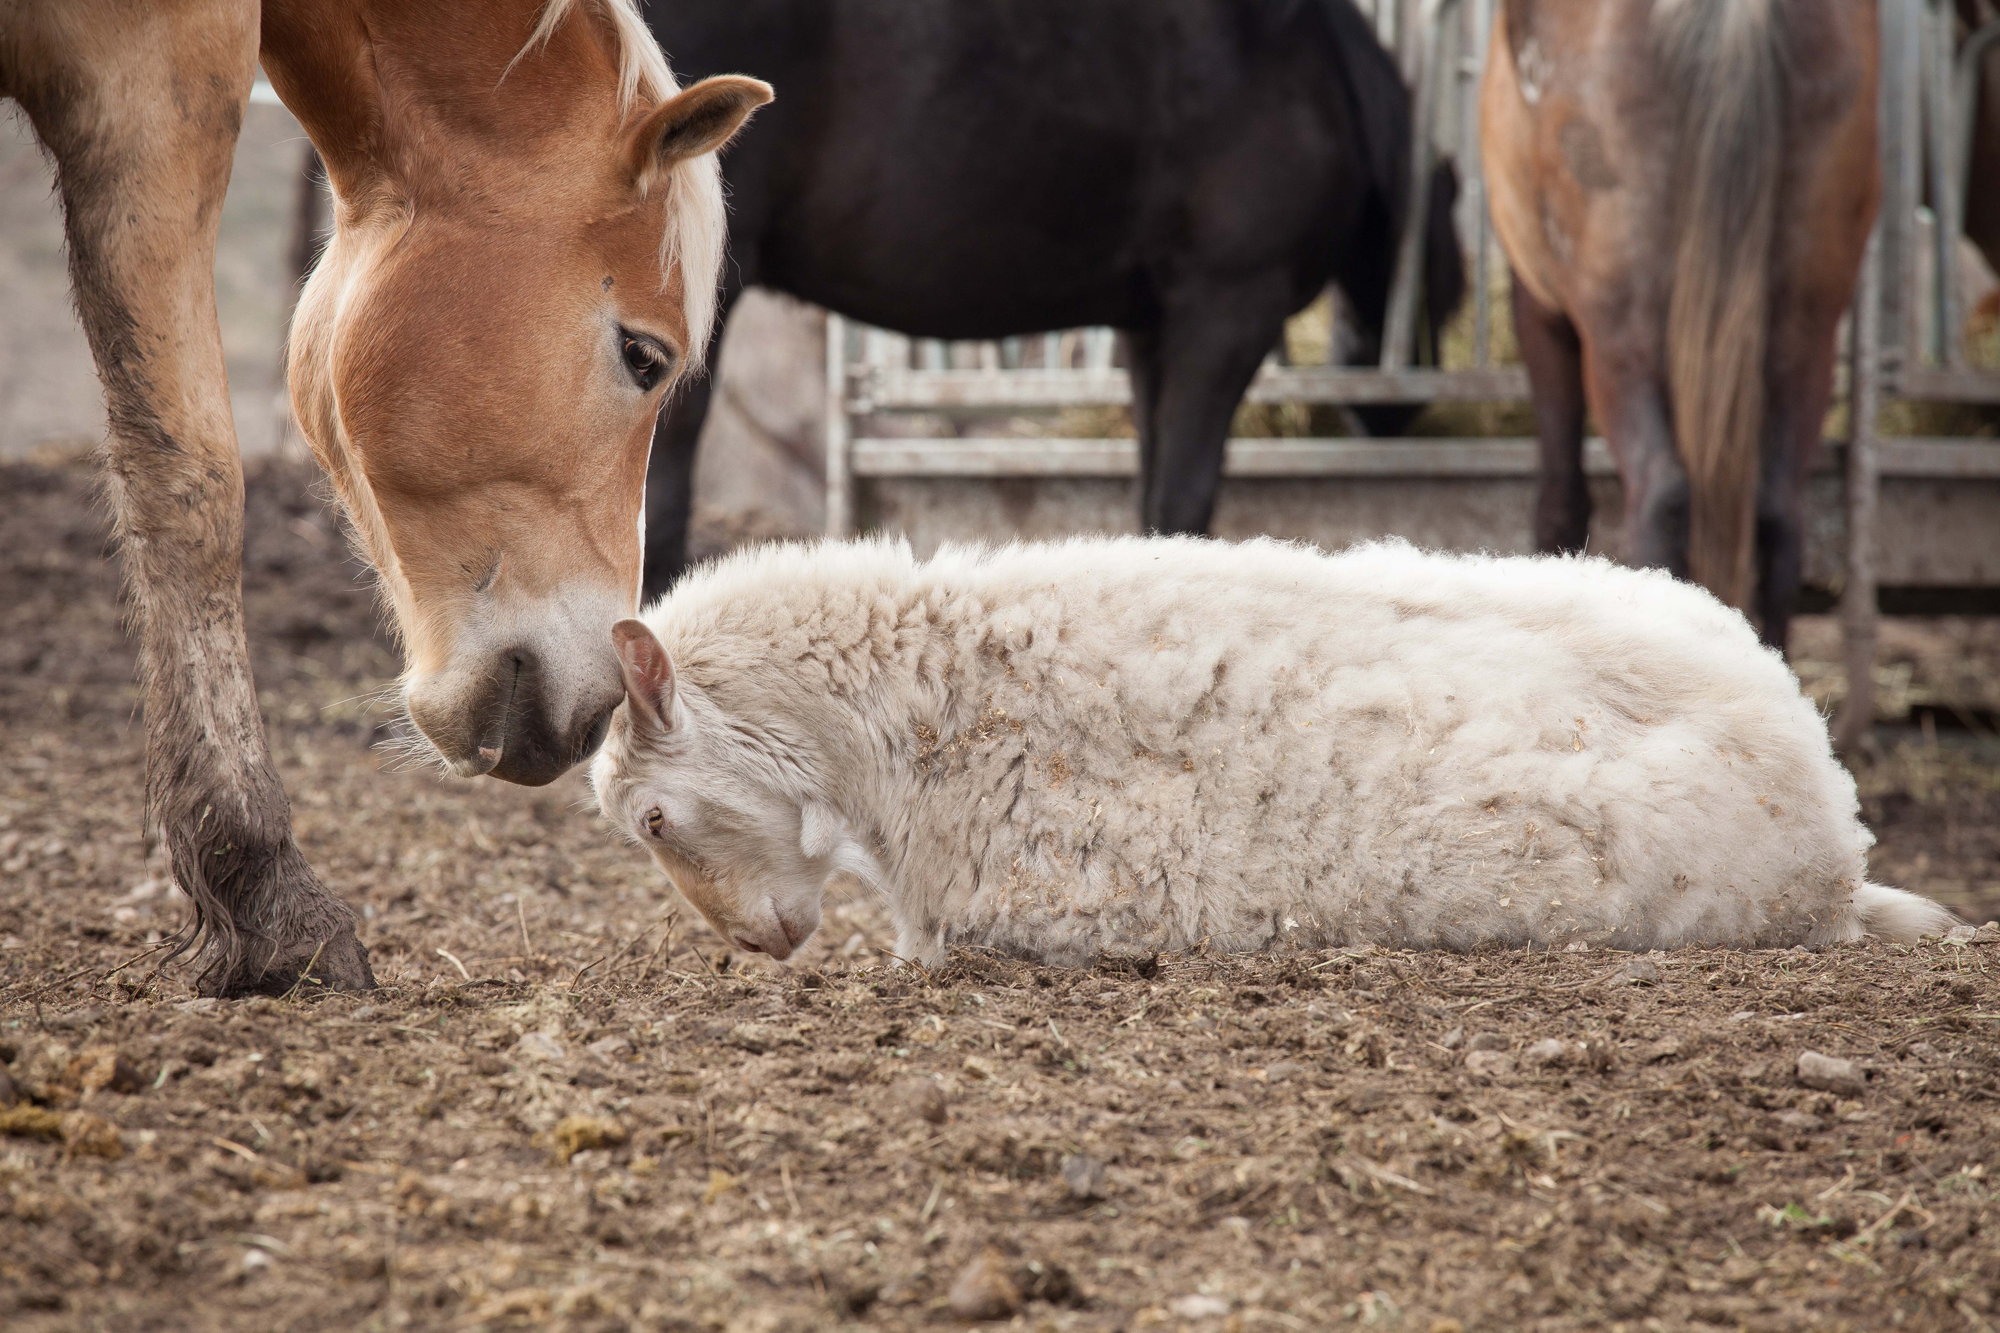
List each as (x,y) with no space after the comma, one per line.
(329,957)
(262,920)
(314,947)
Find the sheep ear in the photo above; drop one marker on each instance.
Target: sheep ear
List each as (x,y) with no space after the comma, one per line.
(697,120)
(649,675)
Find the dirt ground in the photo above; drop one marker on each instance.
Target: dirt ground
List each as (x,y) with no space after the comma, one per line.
(569,1107)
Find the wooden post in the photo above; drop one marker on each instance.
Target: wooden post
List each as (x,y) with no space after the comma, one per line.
(1858,612)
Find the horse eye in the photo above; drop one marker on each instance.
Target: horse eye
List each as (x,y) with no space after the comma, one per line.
(655,821)
(645,359)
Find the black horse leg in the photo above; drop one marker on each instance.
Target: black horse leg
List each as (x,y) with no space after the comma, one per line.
(670,467)
(1142,362)
(1210,345)
(670,485)
(1554,357)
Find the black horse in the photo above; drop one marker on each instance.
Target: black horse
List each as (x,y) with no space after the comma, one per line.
(1191,172)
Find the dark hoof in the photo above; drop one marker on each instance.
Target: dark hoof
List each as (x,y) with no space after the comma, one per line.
(338,963)
(341,963)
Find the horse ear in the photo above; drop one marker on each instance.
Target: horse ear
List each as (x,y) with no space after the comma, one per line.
(699,119)
(649,675)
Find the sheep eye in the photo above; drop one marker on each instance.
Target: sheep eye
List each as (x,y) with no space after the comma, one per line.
(645,360)
(655,821)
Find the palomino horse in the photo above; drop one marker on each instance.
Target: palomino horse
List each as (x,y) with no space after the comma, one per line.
(1684,188)
(477,362)
(1191,171)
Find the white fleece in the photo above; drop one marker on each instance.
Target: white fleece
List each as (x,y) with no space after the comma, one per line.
(1137,744)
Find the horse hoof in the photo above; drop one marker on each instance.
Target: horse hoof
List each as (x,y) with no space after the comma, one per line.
(341,965)
(337,963)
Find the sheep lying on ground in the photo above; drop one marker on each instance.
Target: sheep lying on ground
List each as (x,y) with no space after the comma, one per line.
(1130,745)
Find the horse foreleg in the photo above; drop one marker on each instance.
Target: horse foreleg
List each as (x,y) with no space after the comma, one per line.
(670,466)
(141,115)
(1630,401)
(1211,344)
(1142,362)
(670,485)
(1554,358)
(1781,525)
(1796,399)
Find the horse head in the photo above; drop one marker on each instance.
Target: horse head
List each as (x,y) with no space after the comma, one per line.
(529,231)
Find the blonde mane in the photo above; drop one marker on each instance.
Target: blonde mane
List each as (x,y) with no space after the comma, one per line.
(697,225)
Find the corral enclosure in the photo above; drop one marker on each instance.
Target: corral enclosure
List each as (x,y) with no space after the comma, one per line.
(606,1121)
(569,1106)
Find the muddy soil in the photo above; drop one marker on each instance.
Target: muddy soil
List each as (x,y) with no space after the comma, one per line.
(570,1107)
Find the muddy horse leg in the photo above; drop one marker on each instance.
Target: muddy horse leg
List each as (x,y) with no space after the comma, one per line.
(670,467)
(1210,345)
(1554,357)
(143,126)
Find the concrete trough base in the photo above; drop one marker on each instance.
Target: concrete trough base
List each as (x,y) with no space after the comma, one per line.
(1938,535)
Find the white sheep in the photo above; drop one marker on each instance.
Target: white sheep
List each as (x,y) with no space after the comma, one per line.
(1133,745)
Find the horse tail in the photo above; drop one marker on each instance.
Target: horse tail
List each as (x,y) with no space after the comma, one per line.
(1724,67)
(1378,105)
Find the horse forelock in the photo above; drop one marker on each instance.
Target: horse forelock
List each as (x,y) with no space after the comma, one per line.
(696,228)
(641,65)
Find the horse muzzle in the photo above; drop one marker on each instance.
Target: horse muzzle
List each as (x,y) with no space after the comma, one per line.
(512,717)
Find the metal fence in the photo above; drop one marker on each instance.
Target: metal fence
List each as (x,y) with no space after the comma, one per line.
(1930,94)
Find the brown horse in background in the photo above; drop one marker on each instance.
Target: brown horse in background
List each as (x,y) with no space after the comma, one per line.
(1684,189)
(529,229)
